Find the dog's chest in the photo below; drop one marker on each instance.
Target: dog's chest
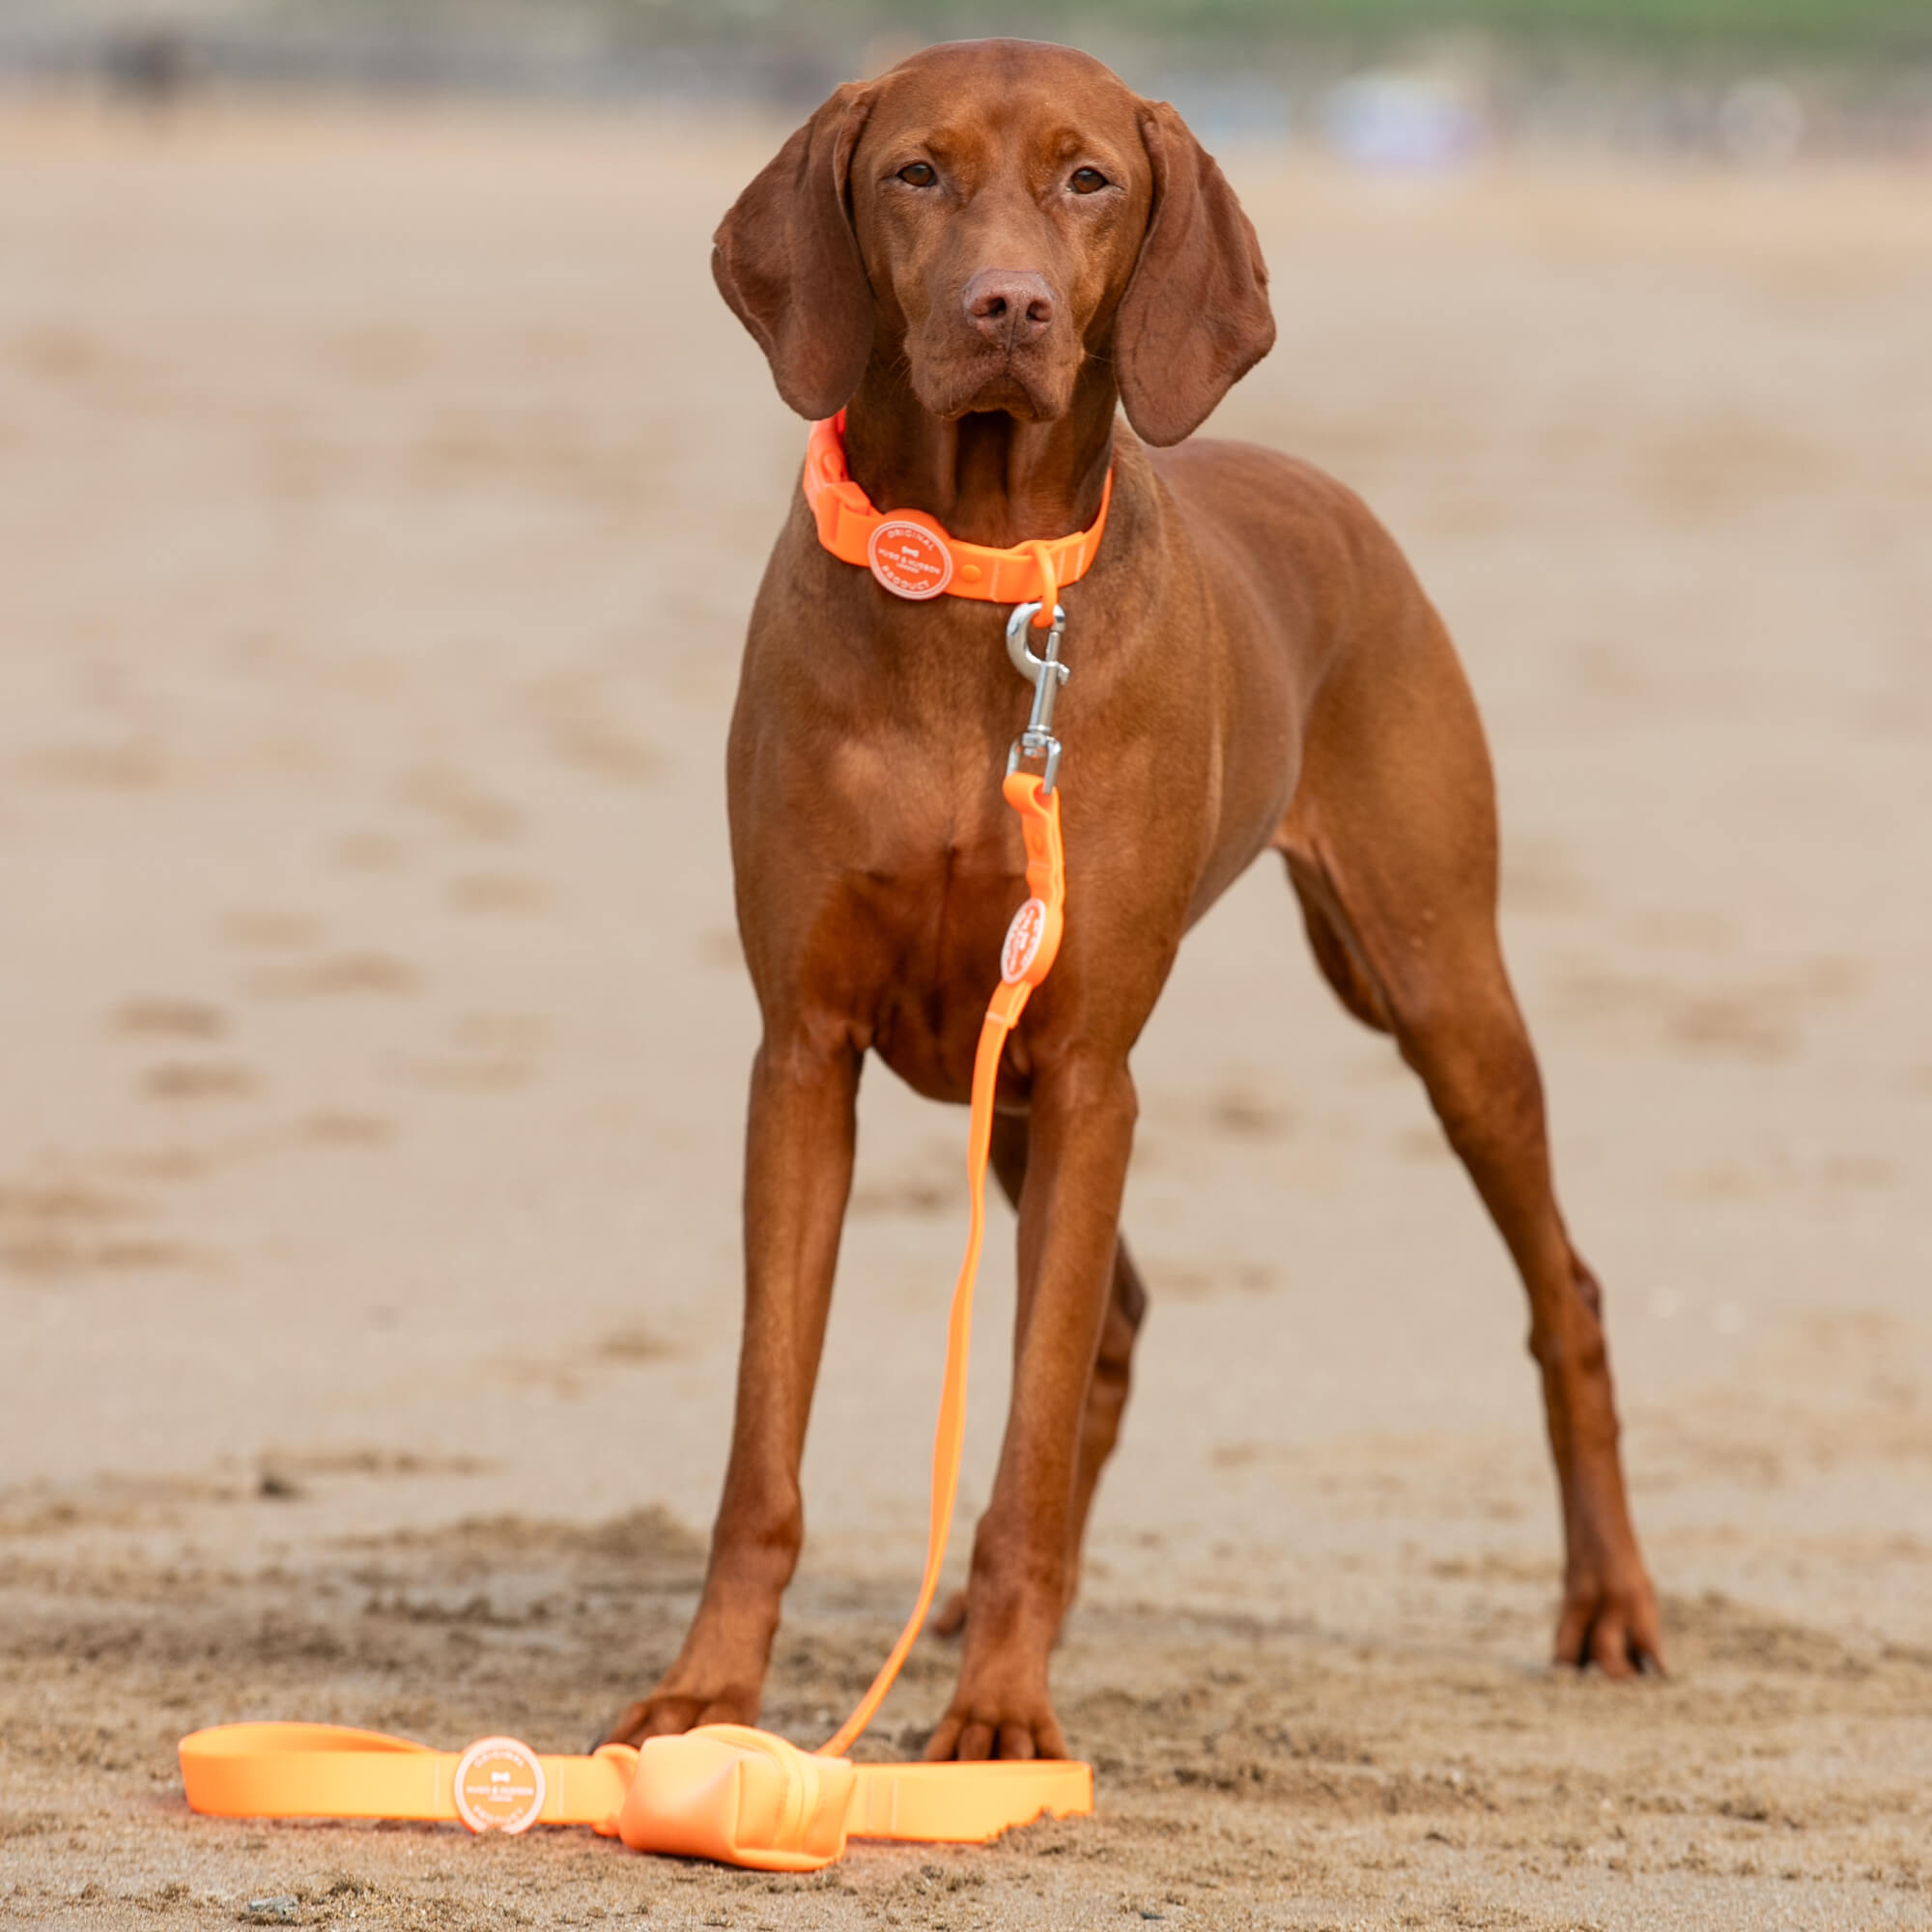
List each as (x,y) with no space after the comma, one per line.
(879,868)
(929,908)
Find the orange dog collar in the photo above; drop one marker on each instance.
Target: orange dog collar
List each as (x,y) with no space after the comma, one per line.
(914,558)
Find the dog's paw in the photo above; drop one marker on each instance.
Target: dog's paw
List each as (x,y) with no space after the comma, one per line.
(991,1726)
(665,1713)
(1613,1624)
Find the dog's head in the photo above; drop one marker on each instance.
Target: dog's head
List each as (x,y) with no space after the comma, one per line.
(997,214)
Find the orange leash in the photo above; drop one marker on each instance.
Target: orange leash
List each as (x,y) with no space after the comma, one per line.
(1025,960)
(728,1792)
(328,1771)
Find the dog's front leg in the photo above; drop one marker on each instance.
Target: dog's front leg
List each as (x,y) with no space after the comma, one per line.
(798,1172)
(1082,1130)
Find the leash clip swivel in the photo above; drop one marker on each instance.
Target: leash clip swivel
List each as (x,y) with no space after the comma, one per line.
(1046,674)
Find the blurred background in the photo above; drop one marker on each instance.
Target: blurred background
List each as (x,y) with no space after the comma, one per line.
(383,493)
(1415,83)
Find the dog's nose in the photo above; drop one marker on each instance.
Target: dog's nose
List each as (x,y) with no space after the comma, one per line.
(1012,306)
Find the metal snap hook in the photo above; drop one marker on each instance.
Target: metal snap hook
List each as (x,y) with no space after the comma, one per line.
(1025,662)
(1046,674)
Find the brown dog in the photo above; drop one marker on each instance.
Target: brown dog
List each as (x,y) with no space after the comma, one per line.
(980,256)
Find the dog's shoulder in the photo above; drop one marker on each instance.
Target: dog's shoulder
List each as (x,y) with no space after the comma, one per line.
(1279,512)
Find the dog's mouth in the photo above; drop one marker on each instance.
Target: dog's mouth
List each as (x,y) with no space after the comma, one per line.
(1005,395)
(1025,383)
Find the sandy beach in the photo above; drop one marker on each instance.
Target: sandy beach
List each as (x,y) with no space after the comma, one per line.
(381,497)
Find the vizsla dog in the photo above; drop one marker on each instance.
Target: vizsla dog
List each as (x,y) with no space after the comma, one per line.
(981,257)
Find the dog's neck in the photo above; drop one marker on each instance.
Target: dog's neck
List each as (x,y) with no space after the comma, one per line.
(986,478)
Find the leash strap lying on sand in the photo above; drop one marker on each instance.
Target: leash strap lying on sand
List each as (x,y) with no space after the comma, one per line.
(328,1771)
(725,1792)
(728,1792)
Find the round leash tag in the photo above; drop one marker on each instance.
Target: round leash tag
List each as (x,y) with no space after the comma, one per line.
(500,1786)
(1023,937)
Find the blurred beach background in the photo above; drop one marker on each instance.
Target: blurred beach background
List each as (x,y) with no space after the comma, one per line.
(1395,83)
(382,491)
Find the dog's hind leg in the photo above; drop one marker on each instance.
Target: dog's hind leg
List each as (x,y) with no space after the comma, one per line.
(1333,945)
(1391,845)
(1113,1366)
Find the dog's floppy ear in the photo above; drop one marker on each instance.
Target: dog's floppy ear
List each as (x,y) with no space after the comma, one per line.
(1195,318)
(787,261)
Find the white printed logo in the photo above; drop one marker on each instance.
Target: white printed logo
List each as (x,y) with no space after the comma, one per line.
(498,1786)
(1023,937)
(909,560)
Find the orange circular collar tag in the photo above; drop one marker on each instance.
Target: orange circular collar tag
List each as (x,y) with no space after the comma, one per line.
(500,1786)
(909,558)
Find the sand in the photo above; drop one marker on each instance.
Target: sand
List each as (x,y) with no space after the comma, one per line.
(382,494)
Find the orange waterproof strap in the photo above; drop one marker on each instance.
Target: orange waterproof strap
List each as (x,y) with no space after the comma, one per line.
(329,1771)
(913,556)
(723,1791)
(796,1817)
(1043,915)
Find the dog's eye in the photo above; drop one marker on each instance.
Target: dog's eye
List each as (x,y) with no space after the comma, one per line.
(1086,181)
(918,174)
